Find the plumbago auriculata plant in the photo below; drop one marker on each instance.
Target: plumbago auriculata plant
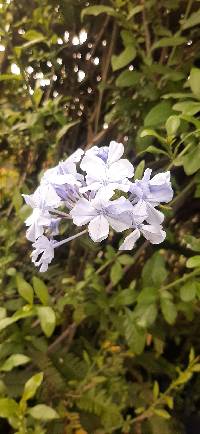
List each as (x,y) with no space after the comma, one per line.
(86,197)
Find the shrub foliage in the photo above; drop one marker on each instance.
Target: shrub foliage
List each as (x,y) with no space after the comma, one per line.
(104,342)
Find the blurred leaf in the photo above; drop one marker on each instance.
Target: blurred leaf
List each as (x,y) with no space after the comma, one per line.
(193,262)
(139,170)
(43,412)
(193,20)
(24,289)
(158,115)
(40,290)
(188,291)
(128,79)
(191,160)
(97,10)
(161,413)
(47,319)
(194,81)
(187,107)
(124,58)
(173,41)
(32,35)
(8,408)
(169,310)
(8,77)
(32,385)
(65,129)
(13,361)
(172,125)
(116,273)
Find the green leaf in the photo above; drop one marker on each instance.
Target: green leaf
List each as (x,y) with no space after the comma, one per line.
(172,125)
(128,79)
(124,298)
(13,361)
(150,132)
(65,129)
(43,412)
(154,271)
(135,335)
(162,413)
(125,259)
(139,170)
(127,37)
(40,290)
(8,77)
(191,161)
(158,114)
(97,10)
(31,386)
(5,322)
(124,58)
(24,289)
(193,262)
(32,35)
(116,273)
(2,313)
(134,10)
(147,295)
(187,107)
(169,311)
(155,390)
(147,314)
(194,81)
(193,243)
(193,20)
(153,150)
(173,41)
(8,408)
(47,319)
(188,291)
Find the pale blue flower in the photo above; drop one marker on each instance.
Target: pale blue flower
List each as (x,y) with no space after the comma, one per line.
(101,213)
(36,222)
(154,234)
(44,249)
(155,190)
(106,170)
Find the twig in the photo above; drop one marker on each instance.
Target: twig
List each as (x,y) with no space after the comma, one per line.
(69,332)
(146,29)
(104,75)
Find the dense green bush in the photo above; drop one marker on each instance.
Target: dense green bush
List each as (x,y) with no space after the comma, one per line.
(104,342)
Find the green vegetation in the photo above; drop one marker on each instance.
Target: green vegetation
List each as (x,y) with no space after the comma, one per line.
(104,342)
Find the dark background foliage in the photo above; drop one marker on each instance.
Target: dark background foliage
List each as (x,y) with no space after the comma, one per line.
(103,342)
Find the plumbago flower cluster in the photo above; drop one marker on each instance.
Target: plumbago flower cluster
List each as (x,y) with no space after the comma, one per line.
(88,199)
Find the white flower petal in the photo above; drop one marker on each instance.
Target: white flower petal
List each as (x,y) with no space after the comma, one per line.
(154,217)
(98,228)
(154,234)
(120,169)
(82,212)
(130,240)
(120,222)
(115,152)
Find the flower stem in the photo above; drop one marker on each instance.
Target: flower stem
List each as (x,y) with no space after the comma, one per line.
(60,243)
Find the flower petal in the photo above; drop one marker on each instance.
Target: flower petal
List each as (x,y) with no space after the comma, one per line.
(130,240)
(98,228)
(115,152)
(154,234)
(120,169)
(154,216)
(82,212)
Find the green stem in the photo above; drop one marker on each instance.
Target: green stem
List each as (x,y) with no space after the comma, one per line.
(188,8)
(180,280)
